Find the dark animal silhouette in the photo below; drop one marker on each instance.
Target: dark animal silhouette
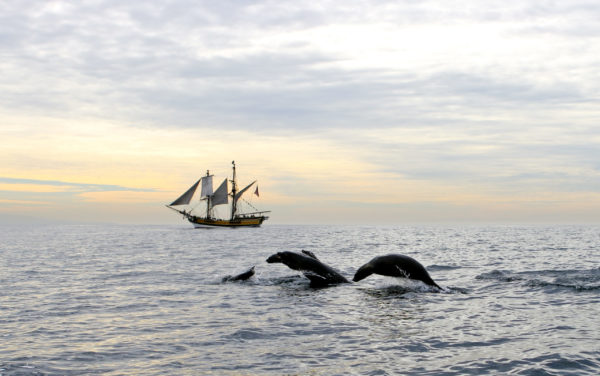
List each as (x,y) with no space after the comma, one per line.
(394,265)
(318,273)
(240,277)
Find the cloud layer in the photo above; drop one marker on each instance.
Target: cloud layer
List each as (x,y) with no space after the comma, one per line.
(498,100)
(303,65)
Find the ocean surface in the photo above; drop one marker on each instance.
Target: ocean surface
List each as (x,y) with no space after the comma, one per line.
(149,300)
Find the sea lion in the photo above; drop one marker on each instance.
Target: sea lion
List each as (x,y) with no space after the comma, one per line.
(240,277)
(394,265)
(313,269)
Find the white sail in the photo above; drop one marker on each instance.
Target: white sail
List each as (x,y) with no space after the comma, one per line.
(240,193)
(220,197)
(185,198)
(207,186)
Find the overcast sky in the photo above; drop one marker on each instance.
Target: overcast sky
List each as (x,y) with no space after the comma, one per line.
(345,111)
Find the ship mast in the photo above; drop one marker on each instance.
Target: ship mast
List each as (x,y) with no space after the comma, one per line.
(208,200)
(233,191)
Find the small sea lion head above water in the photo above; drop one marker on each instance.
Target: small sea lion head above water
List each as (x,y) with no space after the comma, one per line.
(240,277)
(394,265)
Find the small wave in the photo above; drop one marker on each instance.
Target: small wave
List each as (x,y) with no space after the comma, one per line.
(27,369)
(389,291)
(551,364)
(125,275)
(247,334)
(499,275)
(574,285)
(227,279)
(290,280)
(402,289)
(214,281)
(577,280)
(455,290)
(442,267)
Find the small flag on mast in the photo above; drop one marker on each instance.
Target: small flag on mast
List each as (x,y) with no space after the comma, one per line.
(256,192)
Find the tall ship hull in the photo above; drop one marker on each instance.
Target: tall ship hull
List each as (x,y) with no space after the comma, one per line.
(199,222)
(221,196)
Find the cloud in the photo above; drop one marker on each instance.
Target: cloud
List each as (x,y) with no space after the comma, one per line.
(295,66)
(73,187)
(44,197)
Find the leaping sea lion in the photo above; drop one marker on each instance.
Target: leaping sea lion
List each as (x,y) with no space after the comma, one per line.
(313,269)
(394,265)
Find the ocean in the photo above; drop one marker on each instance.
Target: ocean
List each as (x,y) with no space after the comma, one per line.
(150,300)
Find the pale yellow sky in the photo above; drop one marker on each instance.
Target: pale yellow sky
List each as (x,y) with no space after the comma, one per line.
(110,172)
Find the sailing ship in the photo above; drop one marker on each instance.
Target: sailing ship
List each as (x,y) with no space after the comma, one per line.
(219,197)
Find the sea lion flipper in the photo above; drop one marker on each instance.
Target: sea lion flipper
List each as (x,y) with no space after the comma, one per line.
(310,254)
(316,280)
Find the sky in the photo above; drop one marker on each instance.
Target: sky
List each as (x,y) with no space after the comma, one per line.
(346,112)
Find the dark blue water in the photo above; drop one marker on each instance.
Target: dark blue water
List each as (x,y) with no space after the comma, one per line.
(121,300)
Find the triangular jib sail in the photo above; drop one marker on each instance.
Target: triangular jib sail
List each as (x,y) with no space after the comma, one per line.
(240,193)
(185,198)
